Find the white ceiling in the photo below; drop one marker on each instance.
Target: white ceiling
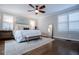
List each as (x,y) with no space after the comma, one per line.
(22,9)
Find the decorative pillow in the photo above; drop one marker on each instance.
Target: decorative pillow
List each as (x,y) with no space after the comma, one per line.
(26,28)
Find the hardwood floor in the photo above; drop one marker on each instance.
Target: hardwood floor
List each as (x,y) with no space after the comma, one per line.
(63,47)
(42,50)
(59,47)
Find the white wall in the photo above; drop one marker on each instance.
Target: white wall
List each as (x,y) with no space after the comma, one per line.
(43,23)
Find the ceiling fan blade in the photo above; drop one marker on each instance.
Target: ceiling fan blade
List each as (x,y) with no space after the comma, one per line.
(31,5)
(41,7)
(30,10)
(41,11)
(36,7)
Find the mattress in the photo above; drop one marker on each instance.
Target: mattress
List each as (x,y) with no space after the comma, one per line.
(14,48)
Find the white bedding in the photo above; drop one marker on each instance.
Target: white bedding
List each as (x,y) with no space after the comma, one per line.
(14,48)
(20,35)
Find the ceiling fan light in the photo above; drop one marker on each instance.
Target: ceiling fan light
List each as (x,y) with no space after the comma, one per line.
(36,11)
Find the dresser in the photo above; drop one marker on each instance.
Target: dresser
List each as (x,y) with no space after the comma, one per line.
(2,45)
(5,34)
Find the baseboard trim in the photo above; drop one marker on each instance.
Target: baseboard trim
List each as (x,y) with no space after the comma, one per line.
(66,38)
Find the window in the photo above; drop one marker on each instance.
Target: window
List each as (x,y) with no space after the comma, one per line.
(74,22)
(0,22)
(68,22)
(7,22)
(32,24)
(62,23)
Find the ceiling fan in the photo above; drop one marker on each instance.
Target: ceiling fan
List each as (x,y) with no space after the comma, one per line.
(37,8)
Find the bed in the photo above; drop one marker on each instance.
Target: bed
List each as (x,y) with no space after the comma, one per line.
(14,48)
(26,35)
